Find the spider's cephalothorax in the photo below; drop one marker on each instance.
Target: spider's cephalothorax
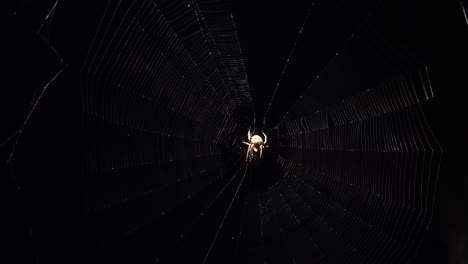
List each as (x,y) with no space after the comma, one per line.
(255,145)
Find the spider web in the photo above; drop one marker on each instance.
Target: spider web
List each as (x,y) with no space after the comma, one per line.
(163,85)
(166,100)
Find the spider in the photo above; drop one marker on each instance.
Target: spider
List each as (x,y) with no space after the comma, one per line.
(255,145)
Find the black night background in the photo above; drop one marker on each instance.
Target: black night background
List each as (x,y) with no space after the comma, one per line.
(123,122)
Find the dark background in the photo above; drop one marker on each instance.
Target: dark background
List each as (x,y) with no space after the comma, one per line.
(43,189)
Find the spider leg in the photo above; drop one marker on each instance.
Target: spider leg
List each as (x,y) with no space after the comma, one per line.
(248,134)
(248,154)
(265,137)
(246,143)
(261,151)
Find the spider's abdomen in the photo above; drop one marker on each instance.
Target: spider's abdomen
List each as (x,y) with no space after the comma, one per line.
(256,140)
